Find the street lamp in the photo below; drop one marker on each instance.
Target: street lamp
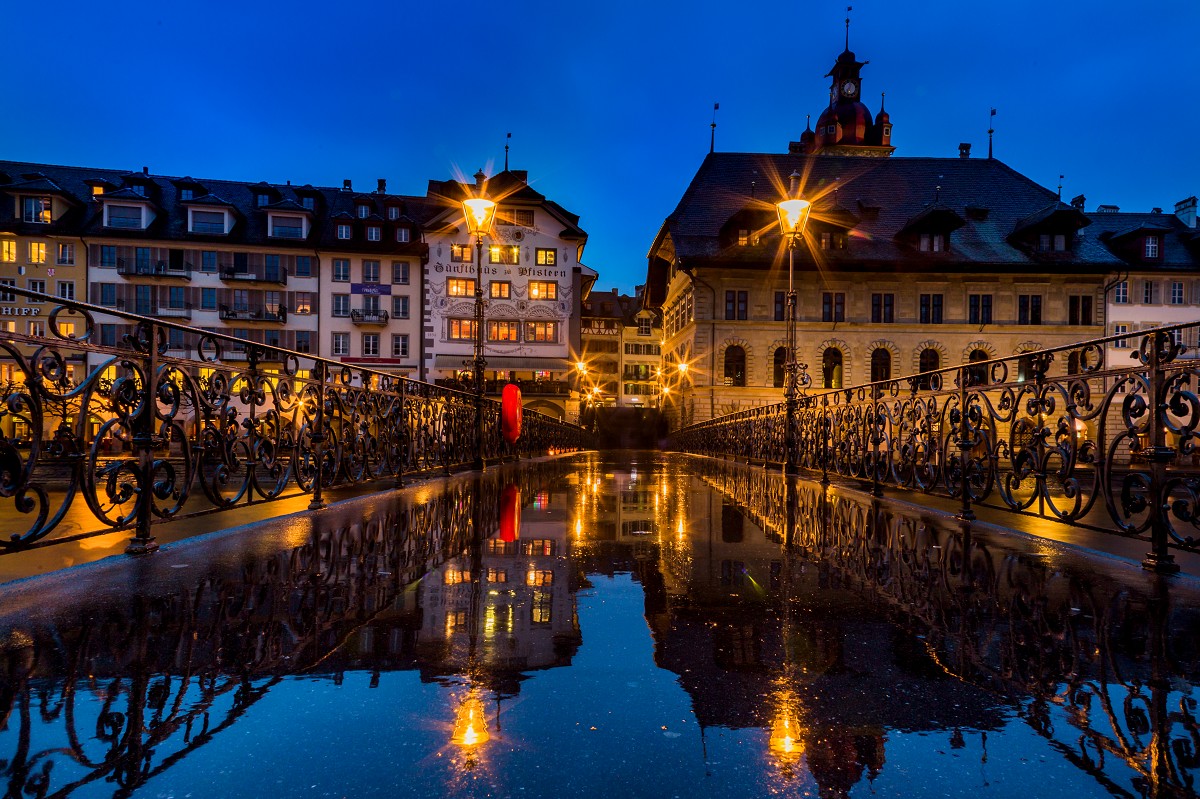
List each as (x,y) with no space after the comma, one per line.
(479,213)
(793,217)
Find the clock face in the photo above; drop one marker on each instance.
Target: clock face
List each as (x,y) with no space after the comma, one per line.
(849,89)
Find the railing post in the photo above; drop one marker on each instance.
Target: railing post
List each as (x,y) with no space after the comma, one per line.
(143,542)
(965,445)
(1159,558)
(826,432)
(318,437)
(404,435)
(876,440)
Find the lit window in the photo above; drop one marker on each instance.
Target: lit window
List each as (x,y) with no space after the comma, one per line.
(36,209)
(460,287)
(539,577)
(373,234)
(501,330)
(37,252)
(545,332)
(37,329)
(743,238)
(341,270)
(543,290)
(460,253)
(504,254)
(402,235)
(97,191)
(343,231)
(8,251)
(500,289)
(341,343)
(547,257)
(303,302)
(461,330)
(400,272)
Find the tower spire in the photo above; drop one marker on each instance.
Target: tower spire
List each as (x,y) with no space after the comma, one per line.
(507,139)
(712,141)
(848,10)
(991,130)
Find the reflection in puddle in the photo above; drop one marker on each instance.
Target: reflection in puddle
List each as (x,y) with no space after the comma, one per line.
(597,626)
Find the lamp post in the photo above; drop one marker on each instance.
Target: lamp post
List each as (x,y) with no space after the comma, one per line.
(793,217)
(478,213)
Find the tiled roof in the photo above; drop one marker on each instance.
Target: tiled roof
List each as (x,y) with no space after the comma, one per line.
(1180,246)
(901,189)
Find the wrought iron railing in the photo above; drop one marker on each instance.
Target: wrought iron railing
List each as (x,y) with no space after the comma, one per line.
(136,436)
(1110,446)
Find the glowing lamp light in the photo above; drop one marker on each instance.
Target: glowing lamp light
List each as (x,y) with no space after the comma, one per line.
(581,367)
(793,216)
(785,741)
(683,367)
(479,213)
(470,725)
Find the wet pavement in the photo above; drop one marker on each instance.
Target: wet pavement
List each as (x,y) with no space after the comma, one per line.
(603,626)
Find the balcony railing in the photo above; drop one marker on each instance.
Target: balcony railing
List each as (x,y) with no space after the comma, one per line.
(154,269)
(237,275)
(252,314)
(175,311)
(367,317)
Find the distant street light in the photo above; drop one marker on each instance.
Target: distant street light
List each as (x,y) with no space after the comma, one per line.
(793,217)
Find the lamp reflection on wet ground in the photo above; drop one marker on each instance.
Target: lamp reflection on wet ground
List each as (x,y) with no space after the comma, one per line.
(604,626)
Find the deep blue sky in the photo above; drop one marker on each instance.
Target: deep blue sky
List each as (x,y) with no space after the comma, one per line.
(609,103)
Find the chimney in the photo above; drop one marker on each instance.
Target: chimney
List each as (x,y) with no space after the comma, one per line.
(382,187)
(1077,202)
(346,185)
(1156,210)
(145,170)
(1186,211)
(964,150)
(480,179)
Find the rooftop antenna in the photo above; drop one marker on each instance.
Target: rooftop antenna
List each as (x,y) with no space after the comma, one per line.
(712,142)
(848,10)
(507,139)
(1060,180)
(991,130)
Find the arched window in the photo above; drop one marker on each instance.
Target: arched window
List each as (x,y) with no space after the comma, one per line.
(977,375)
(831,368)
(881,365)
(735,366)
(780,363)
(1024,368)
(930,361)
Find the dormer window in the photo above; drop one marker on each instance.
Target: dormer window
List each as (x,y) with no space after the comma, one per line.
(743,238)
(287,227)
(97,190)
(373,233)
(933,242)
(403,235)
(832,241)
(139,189)
(36,210)
(262,199)
(364,211)
(308,202)
(209,222)
(343,231)
(1152,247)
(187,194)
(129,217)
(393,212)
(1052,242)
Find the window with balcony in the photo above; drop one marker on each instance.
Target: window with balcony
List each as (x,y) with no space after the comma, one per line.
(211,222)
(461,329)
(546,332)
(66,254)
(340,304)
(546,257)
(400,272)
(341,270)
(504,254)
(208,261)
(123,216)
(543,290)
(36,210)
(502,330)
(141,260)
(460,287)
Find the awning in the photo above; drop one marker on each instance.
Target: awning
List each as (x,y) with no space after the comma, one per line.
(504,363)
